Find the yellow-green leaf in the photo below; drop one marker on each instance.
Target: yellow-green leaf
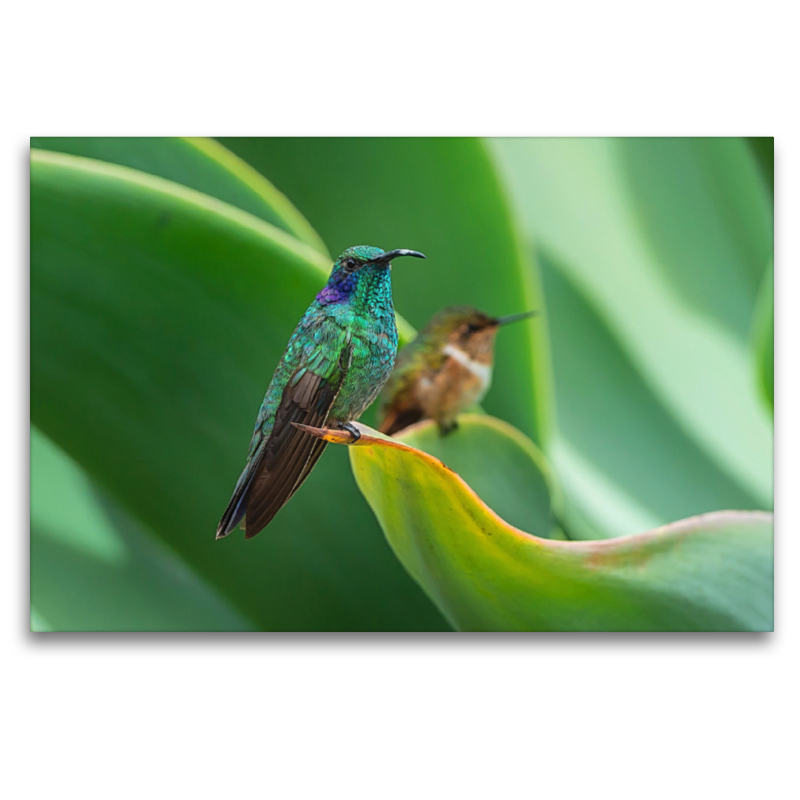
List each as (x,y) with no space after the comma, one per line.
(500,464)
(707,573)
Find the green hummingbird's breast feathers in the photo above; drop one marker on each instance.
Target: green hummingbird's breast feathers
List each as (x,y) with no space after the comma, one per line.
(337,359)
(303,389)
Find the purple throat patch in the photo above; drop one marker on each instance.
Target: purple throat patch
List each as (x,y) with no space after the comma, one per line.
(337,292)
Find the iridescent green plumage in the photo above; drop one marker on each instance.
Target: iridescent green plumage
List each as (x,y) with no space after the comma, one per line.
(338,358)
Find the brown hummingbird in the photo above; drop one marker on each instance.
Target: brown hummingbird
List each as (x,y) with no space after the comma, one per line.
(444,371)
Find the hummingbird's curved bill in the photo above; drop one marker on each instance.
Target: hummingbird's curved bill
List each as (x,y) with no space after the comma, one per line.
(338,358)
(444,371)
(385,258)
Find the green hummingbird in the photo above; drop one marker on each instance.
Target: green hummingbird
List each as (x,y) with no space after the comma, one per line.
(444,371)
(338,358)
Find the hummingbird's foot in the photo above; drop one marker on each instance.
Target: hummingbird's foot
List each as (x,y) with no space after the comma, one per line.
(355,433)
(447,427)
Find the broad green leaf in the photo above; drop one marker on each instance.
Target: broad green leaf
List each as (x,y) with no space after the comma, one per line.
(622,457)
(443,197)
(708,573)
(764,338)
(504,467)
(666,239)
(201,164)
(93,568)
(702,209)
(158,315)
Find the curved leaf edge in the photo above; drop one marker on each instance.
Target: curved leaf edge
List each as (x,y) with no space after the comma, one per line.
(372,438)
(711,519)
(267,191)
(520,439)
(529,583)
(317,263)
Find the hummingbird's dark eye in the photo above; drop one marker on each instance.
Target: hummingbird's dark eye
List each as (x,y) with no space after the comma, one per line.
(350,263)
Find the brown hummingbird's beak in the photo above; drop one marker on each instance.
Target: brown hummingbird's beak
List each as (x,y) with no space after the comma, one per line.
(515,317)
(385,258)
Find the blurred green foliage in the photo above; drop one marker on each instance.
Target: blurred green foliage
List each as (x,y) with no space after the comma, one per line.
(654,251)
(167,275)
(764,337)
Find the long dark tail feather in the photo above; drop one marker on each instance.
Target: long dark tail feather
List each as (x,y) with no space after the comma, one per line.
(291,454)
(270,491)
(280,486)
(285,459)
(237,506)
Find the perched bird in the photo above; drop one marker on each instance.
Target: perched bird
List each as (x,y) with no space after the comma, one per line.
(338,358)
(444,371)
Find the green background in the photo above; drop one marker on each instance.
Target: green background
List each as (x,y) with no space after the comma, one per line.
(167,275)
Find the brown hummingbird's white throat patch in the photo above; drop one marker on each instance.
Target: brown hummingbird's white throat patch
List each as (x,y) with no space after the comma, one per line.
(481,371)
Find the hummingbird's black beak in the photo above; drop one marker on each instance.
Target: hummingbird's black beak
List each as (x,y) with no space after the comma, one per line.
(385,258)
(515,317)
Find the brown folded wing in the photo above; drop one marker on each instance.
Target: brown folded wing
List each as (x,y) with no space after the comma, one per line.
(290,454)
